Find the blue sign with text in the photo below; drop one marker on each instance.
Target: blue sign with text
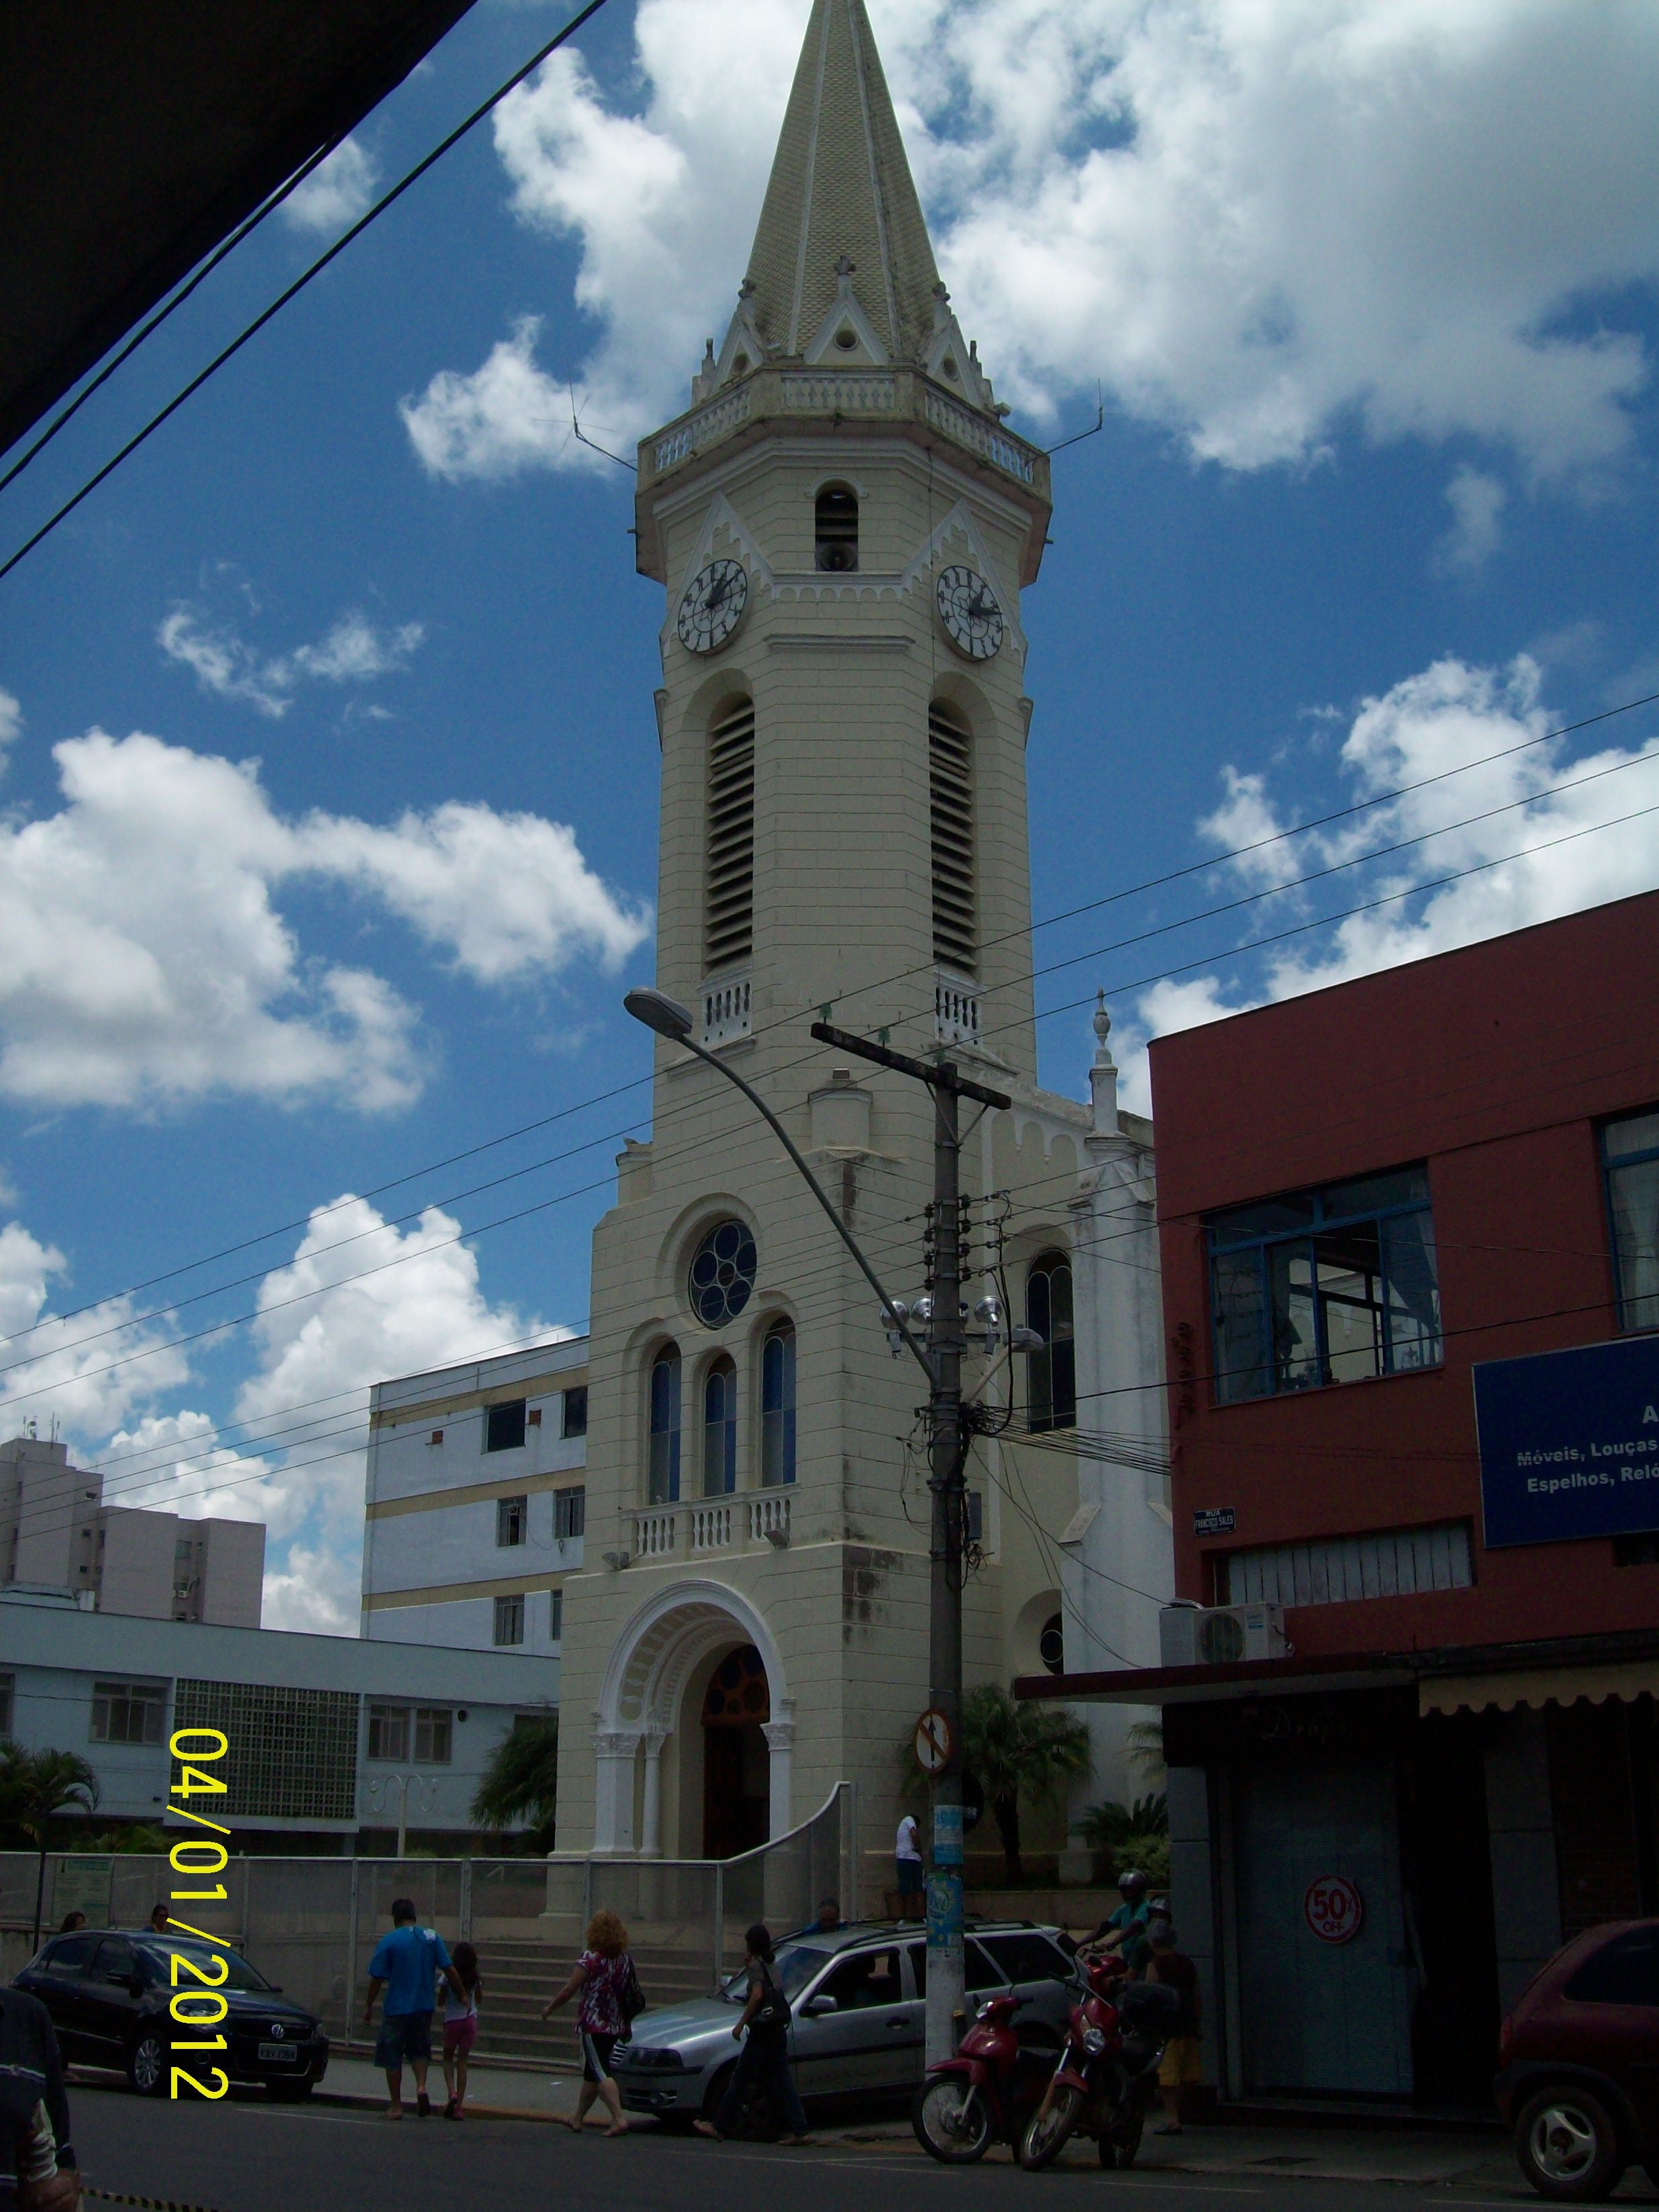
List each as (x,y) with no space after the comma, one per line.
(1570,1442)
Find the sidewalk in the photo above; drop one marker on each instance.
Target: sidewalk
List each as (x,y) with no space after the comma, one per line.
(511,2093)
(1422,2156)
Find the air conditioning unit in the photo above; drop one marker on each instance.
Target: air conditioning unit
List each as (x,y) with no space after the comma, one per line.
(1219,1635)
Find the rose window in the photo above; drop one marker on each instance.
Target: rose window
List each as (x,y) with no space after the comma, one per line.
(722,1273)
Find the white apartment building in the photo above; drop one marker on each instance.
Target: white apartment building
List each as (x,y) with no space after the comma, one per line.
(332,1740)
(477,1500)
(57,1534)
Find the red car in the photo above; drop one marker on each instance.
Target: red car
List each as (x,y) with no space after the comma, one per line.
(1580,2059)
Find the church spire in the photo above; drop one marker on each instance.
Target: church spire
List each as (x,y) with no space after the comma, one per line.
(841,240)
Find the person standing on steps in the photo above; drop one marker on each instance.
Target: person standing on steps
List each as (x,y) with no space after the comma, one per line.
(763,2061)
(906,1867)
(599,1980)
(408,1963)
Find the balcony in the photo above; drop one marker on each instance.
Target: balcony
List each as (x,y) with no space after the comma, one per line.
(726,1004)
(667,1532)
(791,396)
(956,1010)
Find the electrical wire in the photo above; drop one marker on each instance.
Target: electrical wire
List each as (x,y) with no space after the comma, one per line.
(227,353)
(1277,937)
(176,300)
(1155,883)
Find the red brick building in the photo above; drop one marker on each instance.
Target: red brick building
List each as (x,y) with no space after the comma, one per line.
(1431,1693)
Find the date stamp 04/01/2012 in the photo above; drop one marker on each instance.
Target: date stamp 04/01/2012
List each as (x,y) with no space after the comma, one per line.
(197,2005)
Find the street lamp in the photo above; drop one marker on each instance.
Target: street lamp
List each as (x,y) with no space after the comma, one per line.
(949,1428)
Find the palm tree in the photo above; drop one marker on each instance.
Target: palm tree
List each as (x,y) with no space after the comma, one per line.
(521,1780)
(35,1787)
(1019,1750)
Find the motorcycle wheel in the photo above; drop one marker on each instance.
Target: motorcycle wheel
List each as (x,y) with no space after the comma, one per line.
(1120,2145)
(952,2121)
(1047,2135)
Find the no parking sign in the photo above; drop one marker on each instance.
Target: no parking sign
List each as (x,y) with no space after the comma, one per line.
(1334,1908)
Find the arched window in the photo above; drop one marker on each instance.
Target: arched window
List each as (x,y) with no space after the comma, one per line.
(720,1430)
(1051,1374)
(778,1406)
(836,530)
(729,882)
(951,792)
(663,1472)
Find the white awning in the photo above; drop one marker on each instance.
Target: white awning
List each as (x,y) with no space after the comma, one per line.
(1537,1685)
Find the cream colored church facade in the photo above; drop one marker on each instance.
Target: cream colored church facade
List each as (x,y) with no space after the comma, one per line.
(843,529)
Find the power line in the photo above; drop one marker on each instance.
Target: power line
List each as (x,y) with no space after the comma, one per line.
(227,353)
(221,252)
(522,1213)
(898,976)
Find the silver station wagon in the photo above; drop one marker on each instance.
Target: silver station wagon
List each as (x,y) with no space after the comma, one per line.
(859,1998)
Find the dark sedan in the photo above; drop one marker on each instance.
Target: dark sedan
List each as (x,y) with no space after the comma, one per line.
(108,1993)
(1580,2055)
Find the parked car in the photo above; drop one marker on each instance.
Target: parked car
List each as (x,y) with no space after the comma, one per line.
(108,1991)
(1580,2059)
(859,1999)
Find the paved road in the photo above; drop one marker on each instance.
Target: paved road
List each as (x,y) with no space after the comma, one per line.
(249,2156)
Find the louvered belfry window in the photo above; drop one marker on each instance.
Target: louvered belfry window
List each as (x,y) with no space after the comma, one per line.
(729,896)
(950,777)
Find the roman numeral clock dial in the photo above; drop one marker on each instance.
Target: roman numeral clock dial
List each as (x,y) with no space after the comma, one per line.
(967,608)
(713,606)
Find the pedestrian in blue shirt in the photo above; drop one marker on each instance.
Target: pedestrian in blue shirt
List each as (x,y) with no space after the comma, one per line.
(407,1962)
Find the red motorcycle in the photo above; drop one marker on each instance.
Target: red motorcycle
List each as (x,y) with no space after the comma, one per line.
(986,2093)
(1106,2080)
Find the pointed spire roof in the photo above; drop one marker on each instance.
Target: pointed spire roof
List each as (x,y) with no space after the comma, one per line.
(841,191)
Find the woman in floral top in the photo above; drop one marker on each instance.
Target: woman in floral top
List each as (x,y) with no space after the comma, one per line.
(599,1975)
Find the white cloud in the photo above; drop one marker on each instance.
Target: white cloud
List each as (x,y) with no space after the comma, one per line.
(1252,223)
(353,651)
(1524,865)
(1247,823)
(507,895)
(1477,501)
(506,416)
(90,1370)
(143,959)
(342,1336)
(336,193)
(296,1460)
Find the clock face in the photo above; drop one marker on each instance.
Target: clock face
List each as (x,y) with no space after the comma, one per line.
(968,609)
(713,606)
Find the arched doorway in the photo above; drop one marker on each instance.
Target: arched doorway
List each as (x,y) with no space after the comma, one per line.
(649,1747)
(736,1756)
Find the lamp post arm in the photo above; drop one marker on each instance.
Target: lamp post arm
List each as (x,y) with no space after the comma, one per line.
(822,1196)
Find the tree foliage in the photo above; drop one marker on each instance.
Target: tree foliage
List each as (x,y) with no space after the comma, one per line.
(1135,1835)
(521,1781)
(36,1786)
(1019,1750)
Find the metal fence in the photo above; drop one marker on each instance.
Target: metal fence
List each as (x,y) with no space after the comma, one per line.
(311,1924)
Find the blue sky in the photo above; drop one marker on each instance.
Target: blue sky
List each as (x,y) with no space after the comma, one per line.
(1370,299)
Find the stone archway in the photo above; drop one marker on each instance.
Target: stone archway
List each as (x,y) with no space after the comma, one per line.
(640,1699)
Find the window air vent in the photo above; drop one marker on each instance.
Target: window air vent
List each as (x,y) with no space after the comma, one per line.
(729,906)
(950,764)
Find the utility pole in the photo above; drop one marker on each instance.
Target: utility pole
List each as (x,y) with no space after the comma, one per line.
(947,1454)
(948,1433)
(949,1428)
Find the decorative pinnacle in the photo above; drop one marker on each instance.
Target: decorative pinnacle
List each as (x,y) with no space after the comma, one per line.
(1102,1029)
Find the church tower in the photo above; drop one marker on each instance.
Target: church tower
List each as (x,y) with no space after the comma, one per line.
(842,527)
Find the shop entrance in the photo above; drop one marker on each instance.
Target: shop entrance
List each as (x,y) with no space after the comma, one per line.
(736,1758)
(1331,2015)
